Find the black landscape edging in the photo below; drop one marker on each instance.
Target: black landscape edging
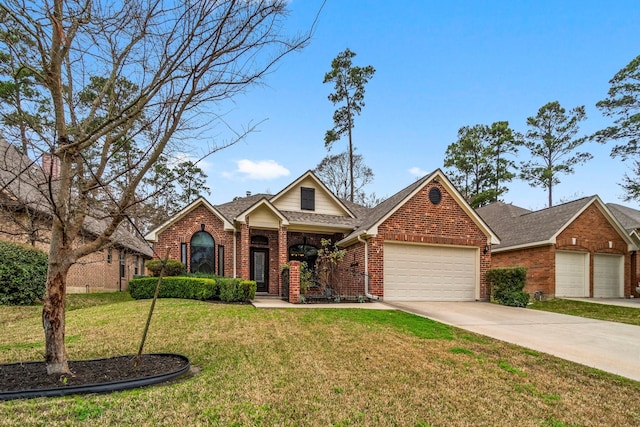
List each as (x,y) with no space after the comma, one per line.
(101,387)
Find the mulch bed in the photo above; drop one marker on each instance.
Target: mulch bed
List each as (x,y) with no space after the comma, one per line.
(33,375)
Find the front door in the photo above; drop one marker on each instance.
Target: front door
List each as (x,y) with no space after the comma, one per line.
(260,269)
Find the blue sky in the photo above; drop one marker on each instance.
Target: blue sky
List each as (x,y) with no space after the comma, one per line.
(439,65)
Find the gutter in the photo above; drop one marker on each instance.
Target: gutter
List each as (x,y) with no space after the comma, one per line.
(366,269)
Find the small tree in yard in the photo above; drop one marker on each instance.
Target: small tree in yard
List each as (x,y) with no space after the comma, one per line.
(329,256)
(177,60)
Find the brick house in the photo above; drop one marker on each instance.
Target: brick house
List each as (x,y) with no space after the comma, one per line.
(25,218)
(576,249)
(630,220)
(423,243)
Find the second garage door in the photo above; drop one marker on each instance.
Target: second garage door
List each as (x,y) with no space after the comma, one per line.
(430,273)
(608,273)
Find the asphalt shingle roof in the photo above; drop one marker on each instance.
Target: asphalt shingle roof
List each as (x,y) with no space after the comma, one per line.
(517,226)
(628,217)
(377,213)
(23,182)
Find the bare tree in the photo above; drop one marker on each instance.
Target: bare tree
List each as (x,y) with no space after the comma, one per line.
(180,58)
(336,173)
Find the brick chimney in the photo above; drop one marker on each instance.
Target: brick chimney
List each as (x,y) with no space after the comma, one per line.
(51,165)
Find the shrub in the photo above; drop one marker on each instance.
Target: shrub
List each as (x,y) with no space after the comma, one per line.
(23,274)
(507,286)
(200,288)
(174,287)
(236,290)
(173,267)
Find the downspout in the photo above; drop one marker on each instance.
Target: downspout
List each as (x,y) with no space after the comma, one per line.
(366,269)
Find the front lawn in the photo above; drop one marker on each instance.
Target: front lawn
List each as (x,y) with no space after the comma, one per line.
(327,367)
(590,310)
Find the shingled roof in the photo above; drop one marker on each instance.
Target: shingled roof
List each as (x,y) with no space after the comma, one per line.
(519,227)
(360,219)
(22,182)
(628,217)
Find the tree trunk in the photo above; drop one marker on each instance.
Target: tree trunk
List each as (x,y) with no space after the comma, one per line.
(53,319)
(60,261)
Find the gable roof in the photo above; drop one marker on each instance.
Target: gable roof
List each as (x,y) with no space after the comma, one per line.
(628,217)
(310,175)
(384,210)
(22,182)
(519,227)
(152,235)
(266,203)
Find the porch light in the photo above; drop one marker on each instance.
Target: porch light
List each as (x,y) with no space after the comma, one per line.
(573,241)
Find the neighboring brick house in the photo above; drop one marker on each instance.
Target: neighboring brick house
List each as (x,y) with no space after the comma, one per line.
(423,243)
(25,218)
(630,220)
(576,249)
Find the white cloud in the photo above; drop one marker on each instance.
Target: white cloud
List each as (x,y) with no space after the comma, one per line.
(416,171)
(261,169)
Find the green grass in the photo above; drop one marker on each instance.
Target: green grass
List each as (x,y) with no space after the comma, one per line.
(325,367)
(590,310)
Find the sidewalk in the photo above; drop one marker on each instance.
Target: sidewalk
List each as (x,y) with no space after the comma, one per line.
(259,302)
(621,302)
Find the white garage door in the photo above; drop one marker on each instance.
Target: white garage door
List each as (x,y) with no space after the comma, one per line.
(608,276)
(572,274)
(430,273)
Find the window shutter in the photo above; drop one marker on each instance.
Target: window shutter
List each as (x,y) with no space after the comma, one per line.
(308,199)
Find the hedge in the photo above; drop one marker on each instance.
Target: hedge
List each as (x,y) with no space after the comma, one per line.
(200,288)
(507,286)
(23,274)
(173,267)
(236,289)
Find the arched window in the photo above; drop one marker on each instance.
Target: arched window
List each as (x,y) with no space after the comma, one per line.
(304,253)
(202,247)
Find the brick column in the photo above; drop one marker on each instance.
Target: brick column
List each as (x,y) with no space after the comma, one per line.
(294,282)
(283,253)
(244,261)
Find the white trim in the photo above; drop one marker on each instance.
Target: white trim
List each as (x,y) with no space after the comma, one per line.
(523,246)
(471,213)
(262,202)
(311,175)
(474,249)
(607,214)
(152,236)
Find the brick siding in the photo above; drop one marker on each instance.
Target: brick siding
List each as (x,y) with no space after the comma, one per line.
(92,273)
(182,231)
(592,232)
(420,221)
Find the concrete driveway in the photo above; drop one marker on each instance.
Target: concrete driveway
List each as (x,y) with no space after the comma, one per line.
(611,347)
